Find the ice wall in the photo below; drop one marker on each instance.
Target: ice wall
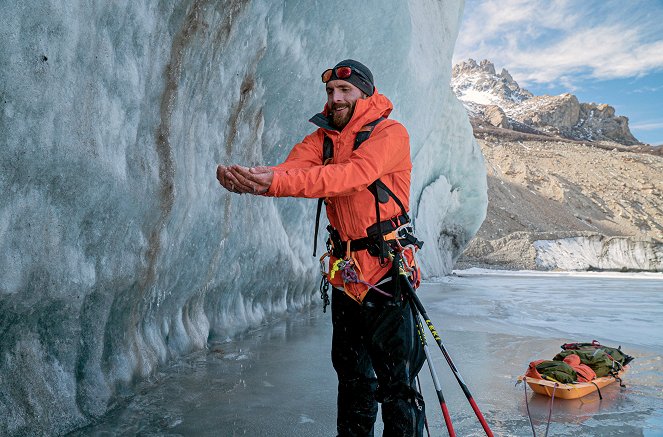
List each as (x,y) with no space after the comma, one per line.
(598,252)
(118,250)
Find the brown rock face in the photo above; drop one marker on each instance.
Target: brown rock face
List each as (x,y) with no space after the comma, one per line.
(564,115)
(560,112)
(496,117)
(601,120)
(487,66)
(549,189)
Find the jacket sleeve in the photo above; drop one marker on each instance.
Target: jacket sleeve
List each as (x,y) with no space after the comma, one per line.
(386,151)
(305,154)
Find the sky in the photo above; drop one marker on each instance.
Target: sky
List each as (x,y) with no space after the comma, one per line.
(603,51)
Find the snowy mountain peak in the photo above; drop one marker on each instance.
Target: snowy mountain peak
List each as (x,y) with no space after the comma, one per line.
(480,84)
(471,66)
(497,100)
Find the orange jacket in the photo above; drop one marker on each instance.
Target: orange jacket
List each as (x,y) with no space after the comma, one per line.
(344,181)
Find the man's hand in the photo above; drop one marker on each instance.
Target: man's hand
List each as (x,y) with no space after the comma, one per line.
(221,176)
(222,173)
(238,179)
(259,179)
(226,177)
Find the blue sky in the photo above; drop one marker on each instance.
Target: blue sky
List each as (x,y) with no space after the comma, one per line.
(603,51)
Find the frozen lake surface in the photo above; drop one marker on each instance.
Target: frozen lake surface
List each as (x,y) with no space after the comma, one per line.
(277,380)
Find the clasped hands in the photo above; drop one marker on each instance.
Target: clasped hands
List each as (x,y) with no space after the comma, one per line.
(238,179)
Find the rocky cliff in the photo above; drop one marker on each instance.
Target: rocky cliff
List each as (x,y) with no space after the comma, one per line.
(568,205)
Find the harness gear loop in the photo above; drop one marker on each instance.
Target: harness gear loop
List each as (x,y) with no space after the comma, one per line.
(324,284)
(324,293)
(323,270)
(349,274)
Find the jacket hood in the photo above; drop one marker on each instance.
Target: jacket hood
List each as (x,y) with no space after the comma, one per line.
(367,110)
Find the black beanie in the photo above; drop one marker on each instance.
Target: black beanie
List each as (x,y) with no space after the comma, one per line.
(361,76)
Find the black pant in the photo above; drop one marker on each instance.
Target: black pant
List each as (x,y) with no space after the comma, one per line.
(377,354)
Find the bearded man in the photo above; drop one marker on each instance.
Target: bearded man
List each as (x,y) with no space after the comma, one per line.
(358,160)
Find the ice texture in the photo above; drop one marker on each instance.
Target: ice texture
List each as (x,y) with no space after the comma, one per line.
(118,249)
(597,252)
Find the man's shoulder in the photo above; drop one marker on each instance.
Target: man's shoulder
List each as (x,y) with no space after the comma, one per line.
(391,127)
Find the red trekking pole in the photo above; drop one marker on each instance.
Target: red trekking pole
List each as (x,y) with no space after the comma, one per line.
(422,311)
(433,373)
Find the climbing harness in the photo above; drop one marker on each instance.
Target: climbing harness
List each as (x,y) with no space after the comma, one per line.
(379,235)
(380,191)
(348,271)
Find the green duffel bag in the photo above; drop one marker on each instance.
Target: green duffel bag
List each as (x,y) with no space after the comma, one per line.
(597,359)
(558,371)
(617,354)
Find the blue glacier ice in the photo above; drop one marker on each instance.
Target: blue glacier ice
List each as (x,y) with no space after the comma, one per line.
(118,249)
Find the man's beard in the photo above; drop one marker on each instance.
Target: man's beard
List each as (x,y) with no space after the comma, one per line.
(340,120)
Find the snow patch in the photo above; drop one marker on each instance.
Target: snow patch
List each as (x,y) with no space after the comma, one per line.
(600,253)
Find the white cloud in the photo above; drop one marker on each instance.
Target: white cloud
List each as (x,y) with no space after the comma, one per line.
(653,125)
(647,89)
(543,41)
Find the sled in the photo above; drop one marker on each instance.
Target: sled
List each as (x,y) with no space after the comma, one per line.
(569,391)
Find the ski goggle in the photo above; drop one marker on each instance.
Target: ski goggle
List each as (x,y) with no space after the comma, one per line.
(341,73)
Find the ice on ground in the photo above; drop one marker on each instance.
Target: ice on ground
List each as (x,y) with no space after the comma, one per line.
(475,271)
(492,327)
(305,419)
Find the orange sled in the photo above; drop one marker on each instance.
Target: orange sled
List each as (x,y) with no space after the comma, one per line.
(569,391)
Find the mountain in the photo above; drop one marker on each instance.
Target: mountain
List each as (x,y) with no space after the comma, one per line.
(569,187)
(496,100)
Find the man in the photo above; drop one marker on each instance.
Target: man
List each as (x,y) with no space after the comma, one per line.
(376,350)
